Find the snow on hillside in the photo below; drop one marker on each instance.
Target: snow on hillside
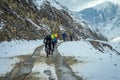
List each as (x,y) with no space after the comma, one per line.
(15,48)
(41,67)
(99,13)
(115,43)
(103,18)
(93,64)
(35,25)
(117,39)
(1,25)
(54,3)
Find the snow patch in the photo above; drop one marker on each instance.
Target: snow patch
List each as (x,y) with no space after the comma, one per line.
(53,3)
(47,28)
(76,47)
(41,68)
(38,3)
(62,28)
(7,64)
(1,25)
(16,48)
(35,25)
(117,39)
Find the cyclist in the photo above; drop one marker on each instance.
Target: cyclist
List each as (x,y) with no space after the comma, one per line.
(48,42)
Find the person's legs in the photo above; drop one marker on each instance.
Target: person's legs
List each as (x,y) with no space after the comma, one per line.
(49,46)
(53,45)
(45,47)
(64,39)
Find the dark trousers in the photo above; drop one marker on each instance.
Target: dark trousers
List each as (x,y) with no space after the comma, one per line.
(47,45)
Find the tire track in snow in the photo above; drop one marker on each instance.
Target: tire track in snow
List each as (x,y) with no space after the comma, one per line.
(63,71)
(24,68)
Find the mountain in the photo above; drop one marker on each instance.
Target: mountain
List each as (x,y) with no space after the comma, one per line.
(103,18)
(33,19)
(99,13)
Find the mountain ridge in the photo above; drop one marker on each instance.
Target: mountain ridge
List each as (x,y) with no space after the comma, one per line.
(103,18)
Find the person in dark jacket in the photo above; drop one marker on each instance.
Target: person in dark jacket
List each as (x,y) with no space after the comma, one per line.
(64,36)
(48,42)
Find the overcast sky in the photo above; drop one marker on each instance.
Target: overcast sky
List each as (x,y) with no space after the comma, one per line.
(77,5)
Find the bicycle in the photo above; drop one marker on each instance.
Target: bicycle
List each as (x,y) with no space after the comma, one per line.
(49,50)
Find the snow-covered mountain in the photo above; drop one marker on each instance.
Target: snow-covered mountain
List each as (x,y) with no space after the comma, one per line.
(33,19)
(103,18)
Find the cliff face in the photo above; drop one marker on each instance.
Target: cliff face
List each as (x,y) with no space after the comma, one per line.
(17,18)
(21,19)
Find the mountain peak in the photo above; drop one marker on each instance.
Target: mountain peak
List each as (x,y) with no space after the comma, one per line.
(104,18)
(105,5)
(99,13)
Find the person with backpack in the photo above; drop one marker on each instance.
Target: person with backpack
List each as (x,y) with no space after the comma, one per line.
(48,42)
(54,39)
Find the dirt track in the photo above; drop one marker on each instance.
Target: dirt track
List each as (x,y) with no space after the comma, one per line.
(23,70)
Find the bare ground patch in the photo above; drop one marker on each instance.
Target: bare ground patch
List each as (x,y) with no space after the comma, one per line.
(33,76)
(71,60)
(23,57)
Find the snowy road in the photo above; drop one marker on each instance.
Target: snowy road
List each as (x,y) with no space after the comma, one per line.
(30,68)
(26,60)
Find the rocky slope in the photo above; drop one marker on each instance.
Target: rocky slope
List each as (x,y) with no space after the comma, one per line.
(24,19)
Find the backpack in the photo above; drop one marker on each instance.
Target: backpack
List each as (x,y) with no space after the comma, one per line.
(56,35)
(52,36)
